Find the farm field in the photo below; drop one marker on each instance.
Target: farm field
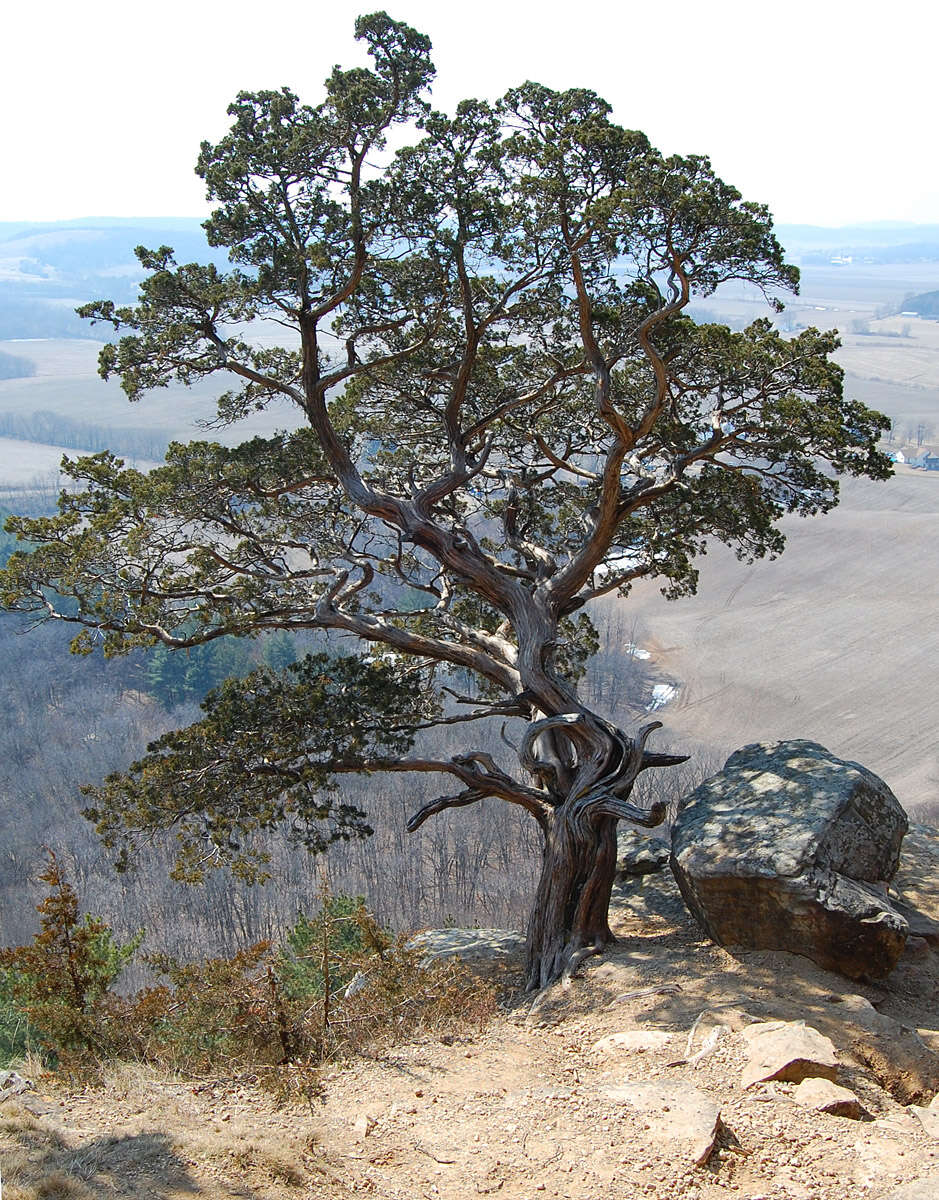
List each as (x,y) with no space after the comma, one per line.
(66,384)
(25,461)
(837,641)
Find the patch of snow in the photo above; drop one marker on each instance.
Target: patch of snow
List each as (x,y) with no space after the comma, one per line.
(616,565)
(661,694)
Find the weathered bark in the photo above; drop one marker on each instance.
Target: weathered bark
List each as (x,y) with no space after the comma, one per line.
(570,915)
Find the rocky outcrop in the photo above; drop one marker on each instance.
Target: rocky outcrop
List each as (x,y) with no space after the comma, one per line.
(469,945)
(639,853)
(790,848)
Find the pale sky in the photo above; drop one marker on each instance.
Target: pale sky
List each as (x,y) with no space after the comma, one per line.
(823,109)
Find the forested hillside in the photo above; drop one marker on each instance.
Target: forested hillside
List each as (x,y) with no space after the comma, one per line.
(72,720)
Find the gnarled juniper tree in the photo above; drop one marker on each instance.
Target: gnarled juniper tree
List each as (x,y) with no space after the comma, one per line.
(505,412)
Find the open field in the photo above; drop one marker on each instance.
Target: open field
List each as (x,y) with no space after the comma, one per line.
(910,357)
(66,383)
(837,641)
(24,461)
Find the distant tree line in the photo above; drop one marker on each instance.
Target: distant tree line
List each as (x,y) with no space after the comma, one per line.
(926,304)
(57,429)
(21,318)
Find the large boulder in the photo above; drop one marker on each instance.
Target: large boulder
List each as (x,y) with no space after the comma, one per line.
(790,848)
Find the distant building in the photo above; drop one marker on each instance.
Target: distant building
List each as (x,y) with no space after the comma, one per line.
(927,459)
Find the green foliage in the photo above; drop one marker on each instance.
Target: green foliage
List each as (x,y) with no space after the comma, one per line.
(61,982)
(8,541)
(506,413)
(209,1014)
(279,651)
(265,1008)
(17,1035)
(283,1011)
(177,676)
(264,757)
(321,950)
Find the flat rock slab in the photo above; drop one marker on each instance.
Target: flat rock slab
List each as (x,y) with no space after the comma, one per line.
(471,945)
(929,1119)
(822,1095)
(675,1112)
(926,1188)
(789,1051)
(636,1040)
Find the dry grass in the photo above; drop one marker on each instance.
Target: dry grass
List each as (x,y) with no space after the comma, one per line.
(276,1158)
(35,1161)
(184,1157)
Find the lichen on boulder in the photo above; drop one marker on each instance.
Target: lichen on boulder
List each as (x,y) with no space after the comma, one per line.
(791,848)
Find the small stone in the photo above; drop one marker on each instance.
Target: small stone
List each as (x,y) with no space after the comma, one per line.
(363,1125)
(638,1040)
(789,1051)
(824,1096)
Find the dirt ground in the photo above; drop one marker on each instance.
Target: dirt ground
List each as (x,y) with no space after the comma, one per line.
(522,1108)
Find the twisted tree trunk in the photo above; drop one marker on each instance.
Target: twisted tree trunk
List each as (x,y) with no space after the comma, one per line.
(570,915)
(587,769)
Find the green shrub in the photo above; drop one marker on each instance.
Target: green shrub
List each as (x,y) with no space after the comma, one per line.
(61,982)
(324,953)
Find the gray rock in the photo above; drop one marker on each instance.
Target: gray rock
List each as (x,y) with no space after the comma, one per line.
(789,848)
(470,945)
(639,853)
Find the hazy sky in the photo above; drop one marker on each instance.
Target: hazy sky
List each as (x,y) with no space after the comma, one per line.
(823,109)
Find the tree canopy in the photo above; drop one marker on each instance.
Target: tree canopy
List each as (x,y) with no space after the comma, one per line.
(496,410)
